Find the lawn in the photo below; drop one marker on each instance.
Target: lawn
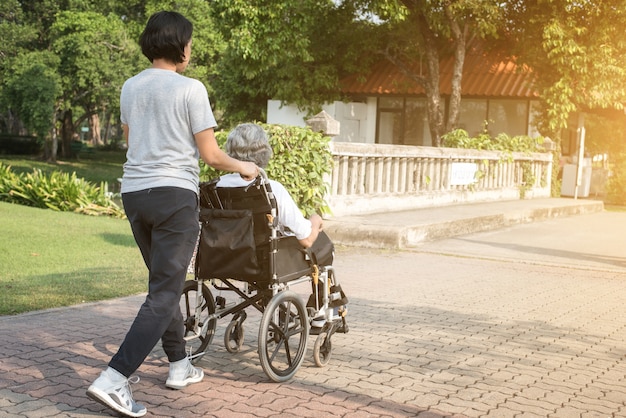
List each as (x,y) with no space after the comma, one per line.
(50,259)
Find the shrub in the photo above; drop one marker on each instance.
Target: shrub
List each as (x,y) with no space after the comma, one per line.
(616,185)
(301,160)
(57,191)
(19,145)
(459,138)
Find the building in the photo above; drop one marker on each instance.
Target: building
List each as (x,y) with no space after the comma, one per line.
(386,107)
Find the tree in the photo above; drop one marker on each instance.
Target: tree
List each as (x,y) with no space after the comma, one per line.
(32,92)
(427,31)
(291,50)
(577,50)
(96,57)
(296,51)
(96,42)
(16,37)
(574,47)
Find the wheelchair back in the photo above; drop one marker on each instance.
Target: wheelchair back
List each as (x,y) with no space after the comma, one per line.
(240,239)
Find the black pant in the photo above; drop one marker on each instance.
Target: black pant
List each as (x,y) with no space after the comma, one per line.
(164,222)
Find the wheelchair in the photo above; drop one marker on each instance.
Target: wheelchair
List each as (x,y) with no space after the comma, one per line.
(242,253)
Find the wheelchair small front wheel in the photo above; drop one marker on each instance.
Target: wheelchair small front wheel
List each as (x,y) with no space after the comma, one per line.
(234,336)
(322,350)
(197,304)
(283,336)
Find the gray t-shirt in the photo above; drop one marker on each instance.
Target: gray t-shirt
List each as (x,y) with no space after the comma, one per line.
(163,110)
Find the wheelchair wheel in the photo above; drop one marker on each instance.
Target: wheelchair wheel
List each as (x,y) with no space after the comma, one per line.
(199,331)
(234,336)
(283,336)
(322,350)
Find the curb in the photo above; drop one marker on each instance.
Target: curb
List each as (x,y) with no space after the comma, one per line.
(391,231)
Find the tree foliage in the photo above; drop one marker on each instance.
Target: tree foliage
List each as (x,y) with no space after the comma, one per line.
(577,50)
(428,31)
(32,89)
(291,50)
(96,56)
(297,51)
(95,45)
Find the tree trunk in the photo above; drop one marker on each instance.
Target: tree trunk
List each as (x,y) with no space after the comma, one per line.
(55,143)
(107,128)
(94,129)
(459,37)
(434,107)
(67,131)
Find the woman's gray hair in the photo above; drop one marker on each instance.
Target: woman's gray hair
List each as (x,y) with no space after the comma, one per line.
(249,142)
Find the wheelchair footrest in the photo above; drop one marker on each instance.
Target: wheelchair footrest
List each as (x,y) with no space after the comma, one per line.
(330,328)
(342,329)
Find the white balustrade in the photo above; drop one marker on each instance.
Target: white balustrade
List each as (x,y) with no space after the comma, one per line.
(371,178)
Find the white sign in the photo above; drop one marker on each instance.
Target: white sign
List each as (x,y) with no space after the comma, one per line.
(462,174)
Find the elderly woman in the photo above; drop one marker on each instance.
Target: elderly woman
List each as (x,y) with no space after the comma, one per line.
(249,142)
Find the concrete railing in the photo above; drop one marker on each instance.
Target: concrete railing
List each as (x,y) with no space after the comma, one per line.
(372,178)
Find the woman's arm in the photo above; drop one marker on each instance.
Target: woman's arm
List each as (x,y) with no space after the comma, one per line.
(316,227)
(211,154)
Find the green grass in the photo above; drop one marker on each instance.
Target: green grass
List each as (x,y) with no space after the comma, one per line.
(50,259)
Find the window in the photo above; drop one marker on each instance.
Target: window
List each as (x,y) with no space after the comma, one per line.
(389,126)
(502,115)
(510,116)
(416,128)
(473,115)
(402,121)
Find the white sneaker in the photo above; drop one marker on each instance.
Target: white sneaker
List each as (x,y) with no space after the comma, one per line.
(318,322)
(112,389)
(183,373)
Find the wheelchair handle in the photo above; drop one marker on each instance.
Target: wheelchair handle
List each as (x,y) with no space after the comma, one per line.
(261,178)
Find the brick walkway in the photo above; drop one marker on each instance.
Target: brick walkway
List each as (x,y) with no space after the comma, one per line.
(526,322)
(430,336)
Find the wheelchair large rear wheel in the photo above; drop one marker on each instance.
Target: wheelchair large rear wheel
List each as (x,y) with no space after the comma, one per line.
(196,307)
(283,336)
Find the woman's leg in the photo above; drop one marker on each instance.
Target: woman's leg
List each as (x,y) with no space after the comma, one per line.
(165,224)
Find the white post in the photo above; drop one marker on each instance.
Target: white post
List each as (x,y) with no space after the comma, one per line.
(581,152)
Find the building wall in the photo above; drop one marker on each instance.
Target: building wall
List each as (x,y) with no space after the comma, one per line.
(358,119)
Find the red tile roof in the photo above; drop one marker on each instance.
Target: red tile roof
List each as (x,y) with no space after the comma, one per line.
(484,75)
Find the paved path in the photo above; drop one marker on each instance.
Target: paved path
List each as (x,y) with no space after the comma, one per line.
(526,321)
